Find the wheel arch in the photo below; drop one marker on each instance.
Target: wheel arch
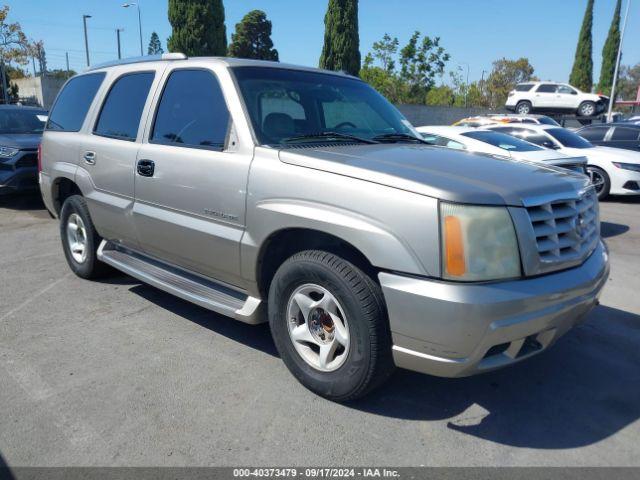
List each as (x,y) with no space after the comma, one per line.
(61,189)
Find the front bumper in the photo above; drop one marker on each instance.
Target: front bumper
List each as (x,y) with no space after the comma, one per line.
(19,173)
(455,329)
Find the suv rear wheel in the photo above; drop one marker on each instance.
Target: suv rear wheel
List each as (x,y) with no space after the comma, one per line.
(80,240)
(523,108)
(329,324)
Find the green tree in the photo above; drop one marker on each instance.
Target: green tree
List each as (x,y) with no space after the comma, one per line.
(421,62)
(628,82)
(197,27)
(14,47)
(385,51)
(252,38)
(384,81)
(504,76)
(610,53)
(341,49)
(441,95)
(155,47)
(61,74)
(582,71)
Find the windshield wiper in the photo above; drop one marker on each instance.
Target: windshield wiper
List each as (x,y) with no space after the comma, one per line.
(327,136)
(396,137)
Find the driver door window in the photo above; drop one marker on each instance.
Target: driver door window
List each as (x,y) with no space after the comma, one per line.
(545,95)
(566,97)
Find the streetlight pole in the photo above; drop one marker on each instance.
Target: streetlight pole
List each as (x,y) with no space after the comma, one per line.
(118,30)
(466,87)
(137,4)
(86,40)
(612,98)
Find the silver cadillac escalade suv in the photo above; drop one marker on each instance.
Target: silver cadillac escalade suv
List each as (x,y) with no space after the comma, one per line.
(268,192)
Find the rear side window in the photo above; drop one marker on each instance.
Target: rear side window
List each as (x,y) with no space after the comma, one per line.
(73,102)
(122,109)
(594,134)
(524,87)
(528,135)
(624,134)
(192,111)
(547,88)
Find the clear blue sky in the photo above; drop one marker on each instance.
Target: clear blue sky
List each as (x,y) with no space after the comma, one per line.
(473,31)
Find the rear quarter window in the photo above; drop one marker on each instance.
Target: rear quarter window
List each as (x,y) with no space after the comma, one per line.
(624,134)
(524,87)
(73,102)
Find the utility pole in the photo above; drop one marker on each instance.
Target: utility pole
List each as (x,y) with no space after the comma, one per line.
(33,59)
(118,30)
(67,57)
(612,99)
(5,87)
(86,40)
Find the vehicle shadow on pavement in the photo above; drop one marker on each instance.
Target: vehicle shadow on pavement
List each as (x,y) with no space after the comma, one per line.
(582,390)
(609,229)
(255,336)
(22,201)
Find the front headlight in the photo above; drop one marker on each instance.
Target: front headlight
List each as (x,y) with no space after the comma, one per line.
(628,166)
(6,152)
(478,243)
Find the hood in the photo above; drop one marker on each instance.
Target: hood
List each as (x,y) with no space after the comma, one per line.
(606,154)
(446,174)
(23,141)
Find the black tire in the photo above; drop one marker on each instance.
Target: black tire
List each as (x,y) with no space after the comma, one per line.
(587,109)
(91,267)
(598,173)
(525,106)
(368,361)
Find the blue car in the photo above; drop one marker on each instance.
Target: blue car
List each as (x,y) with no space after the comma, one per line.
(20,133)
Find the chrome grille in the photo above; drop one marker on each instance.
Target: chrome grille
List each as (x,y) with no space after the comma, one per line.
(566,230)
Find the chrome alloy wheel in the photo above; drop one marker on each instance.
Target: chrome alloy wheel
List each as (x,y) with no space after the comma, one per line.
(318,327)
(597,179)
(77,238)
(588,110)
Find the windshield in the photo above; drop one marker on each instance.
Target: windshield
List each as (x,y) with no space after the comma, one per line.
(291,105)
(569,139)
(22,121)
(548,121)
(501,140)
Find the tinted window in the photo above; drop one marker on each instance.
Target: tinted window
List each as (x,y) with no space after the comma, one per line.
(624,134)
(192,111)
(524,87)
(18,120)
(501,140)
(121,111)
(568,139)
(547,121)
(530,136)
(547,88)
(567,90)
(73,102)
(595,134)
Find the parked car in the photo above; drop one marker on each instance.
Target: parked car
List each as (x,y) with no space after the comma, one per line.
(554,97)
(481,120)
(263,190)
(613,171)
(616,135)
(495,143)
(20,132)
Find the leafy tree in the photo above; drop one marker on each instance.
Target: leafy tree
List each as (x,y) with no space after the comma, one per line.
(341,50)
(582,71)
(628,82)
(61,74)
(155,47)
(441,95)
(384,81)
(610,53)
(385,51)
(13,48)
(197,27)
(421,62)
(503,78)
(252,38)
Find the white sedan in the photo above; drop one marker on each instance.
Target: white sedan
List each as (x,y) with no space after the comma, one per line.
(499,144)
(613,171)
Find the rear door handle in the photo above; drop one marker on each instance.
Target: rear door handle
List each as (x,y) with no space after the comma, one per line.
(89,157)
(146,168)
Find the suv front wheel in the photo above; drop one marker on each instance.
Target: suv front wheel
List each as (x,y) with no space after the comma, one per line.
(329,324)
(80,240)
(523,108)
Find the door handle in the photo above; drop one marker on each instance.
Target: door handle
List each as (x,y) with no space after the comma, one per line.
(146,168)
(89,157)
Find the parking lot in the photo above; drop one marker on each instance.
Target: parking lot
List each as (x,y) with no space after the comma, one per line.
(119,373)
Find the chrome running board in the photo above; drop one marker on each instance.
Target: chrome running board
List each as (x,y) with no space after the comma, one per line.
(188,286)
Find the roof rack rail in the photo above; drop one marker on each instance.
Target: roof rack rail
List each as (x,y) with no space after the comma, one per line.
(146,58)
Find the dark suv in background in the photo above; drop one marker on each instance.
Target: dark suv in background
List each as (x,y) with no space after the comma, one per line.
(20,133)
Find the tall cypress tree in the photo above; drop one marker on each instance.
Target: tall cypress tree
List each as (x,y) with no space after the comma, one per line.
(252,38)
(198,27)
(582,71)
(341,50)
(155,47)
(610,53)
